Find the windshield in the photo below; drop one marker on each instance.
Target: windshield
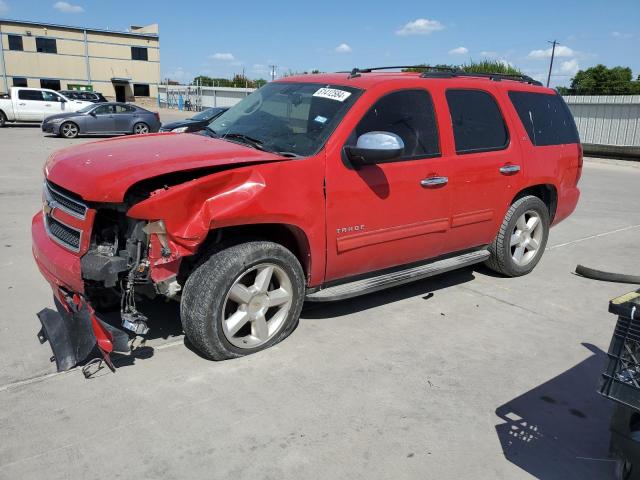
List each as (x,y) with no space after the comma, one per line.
(207,114)
(294,118)
(86,109)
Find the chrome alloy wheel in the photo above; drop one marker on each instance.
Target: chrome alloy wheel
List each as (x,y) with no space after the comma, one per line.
(69,130)
(256,306)
(526,238)
(141,129)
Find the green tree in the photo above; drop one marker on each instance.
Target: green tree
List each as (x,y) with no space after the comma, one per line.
(601,80)
(484,66)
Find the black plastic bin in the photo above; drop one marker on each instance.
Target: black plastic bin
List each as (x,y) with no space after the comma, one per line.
(621,378)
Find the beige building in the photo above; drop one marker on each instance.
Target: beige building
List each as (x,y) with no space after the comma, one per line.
(120,65)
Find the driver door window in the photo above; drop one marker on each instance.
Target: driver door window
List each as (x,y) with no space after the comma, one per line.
(410,115)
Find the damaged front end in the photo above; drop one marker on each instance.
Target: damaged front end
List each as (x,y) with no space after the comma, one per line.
(120,260)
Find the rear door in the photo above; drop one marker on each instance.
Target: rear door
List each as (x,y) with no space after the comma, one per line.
(488,167)
(123,118)
(101,120)
(29,105)
(393,213)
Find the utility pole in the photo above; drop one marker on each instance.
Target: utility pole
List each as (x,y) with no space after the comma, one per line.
(273,72)
(553,53)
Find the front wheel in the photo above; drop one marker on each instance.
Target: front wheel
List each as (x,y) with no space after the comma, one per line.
(3,119)
(243,299)
(522,238)
(140,128)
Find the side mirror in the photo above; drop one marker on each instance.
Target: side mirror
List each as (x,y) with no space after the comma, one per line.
(92,113)
(375,147)
(62,100)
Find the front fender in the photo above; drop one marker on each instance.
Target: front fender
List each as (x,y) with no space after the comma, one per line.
(285,193)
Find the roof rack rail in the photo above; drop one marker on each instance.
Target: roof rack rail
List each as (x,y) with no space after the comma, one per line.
(447,72)
(357,71)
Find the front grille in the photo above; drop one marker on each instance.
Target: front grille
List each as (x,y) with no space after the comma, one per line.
(63,234)
(65,201)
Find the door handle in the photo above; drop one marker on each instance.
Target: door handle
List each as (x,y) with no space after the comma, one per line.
(22,104)
(434,181)
(509,169)
(47,104)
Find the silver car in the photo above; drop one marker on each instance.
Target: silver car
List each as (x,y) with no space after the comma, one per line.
(103,119)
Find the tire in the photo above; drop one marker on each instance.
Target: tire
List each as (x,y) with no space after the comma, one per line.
(225,305)
(511,253)
(141,128)
(3,119)
(69,130)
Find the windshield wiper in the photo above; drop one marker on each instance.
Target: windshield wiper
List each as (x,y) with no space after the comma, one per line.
(252,142)
(286,154)
(210,132)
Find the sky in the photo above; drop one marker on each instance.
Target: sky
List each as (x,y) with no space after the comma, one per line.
(219,39)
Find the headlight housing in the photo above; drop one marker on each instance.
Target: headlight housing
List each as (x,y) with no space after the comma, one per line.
(180,129)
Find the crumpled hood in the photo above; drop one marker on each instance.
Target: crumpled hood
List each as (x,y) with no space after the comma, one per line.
(103,171)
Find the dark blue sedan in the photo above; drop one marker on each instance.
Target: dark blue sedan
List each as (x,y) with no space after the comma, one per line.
(111,118)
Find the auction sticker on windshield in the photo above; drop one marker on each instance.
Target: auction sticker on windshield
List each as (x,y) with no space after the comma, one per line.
(332,94)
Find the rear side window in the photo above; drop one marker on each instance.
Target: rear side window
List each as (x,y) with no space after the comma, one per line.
(477,123)
(410,115)
(546,118)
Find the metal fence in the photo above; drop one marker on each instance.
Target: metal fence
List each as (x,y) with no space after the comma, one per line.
(196,98)
(608,124)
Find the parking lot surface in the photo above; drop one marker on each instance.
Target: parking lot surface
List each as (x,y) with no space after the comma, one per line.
(466,375)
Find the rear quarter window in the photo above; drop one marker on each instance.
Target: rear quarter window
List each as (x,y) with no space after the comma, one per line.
(545,117)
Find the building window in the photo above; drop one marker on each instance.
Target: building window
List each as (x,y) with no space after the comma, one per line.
(19,82)
(139,53)
(50,84)
(46,45)
(15,42)
(140,90)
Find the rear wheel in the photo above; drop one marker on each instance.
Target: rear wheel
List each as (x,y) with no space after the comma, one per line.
(69,130)
(3,119)
(243,299)
(140,128)
(522,238)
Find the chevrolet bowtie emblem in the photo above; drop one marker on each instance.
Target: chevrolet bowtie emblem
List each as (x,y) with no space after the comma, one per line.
(46,208)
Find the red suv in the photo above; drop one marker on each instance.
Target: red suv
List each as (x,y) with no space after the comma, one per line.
(313,188)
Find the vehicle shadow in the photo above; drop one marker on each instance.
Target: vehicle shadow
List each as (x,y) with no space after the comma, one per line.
(318,311)
(22,125)
(560,430)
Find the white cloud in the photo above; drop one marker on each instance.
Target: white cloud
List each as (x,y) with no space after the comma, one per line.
(259,68)
(343,48)
(66,7)
(459,51)
(489,53)
(179,74)
(569,67)
(227,57)
(4,7)
(621,35)
(561,51)
(420,26)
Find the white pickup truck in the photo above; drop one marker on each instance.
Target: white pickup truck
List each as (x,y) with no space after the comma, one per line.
(35,104)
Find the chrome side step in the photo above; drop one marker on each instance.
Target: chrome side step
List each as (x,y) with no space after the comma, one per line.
(374,284)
